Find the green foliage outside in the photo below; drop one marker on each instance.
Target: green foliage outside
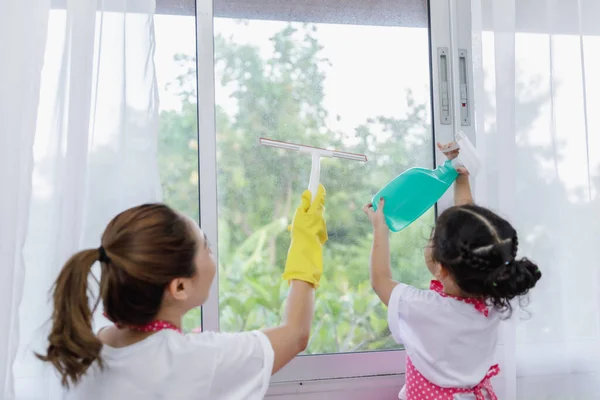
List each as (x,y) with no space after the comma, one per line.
(281,97)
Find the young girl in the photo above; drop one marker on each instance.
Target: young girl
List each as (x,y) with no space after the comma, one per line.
(156,265)
(450,331)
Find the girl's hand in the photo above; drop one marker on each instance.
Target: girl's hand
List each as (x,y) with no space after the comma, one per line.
(451,151)
(376,217)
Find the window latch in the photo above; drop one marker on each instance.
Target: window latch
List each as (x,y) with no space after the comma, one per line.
(465,107)
(444,86)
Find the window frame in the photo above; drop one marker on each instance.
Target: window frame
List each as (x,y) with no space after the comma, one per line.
(308,367)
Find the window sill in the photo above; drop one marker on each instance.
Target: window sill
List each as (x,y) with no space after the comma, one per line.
(374,387)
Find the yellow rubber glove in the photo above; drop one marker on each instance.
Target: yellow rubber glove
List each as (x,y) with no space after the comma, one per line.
(309,234)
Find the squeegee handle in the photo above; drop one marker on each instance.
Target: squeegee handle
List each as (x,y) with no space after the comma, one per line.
(315,175)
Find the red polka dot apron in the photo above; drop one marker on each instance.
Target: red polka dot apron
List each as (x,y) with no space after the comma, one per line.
(153,326)
(419,388)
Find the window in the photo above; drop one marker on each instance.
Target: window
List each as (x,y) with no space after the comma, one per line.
(325,85)
(339,77)
(178,120)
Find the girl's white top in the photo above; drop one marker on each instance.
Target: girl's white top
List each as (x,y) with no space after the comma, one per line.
(448,341)
(169,365)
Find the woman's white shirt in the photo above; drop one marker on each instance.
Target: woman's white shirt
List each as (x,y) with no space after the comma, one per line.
(169,365)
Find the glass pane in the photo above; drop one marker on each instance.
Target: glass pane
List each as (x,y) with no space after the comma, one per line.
(357,88)
(178,136)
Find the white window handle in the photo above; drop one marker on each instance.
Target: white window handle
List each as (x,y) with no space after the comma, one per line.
(465,107)
(444,87)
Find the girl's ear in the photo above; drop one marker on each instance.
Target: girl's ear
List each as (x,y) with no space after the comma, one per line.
(442,272)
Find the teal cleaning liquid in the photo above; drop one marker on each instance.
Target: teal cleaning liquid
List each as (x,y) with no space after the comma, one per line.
(412,193)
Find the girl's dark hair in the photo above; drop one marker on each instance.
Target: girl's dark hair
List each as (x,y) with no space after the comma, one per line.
(142,250)
(479,249)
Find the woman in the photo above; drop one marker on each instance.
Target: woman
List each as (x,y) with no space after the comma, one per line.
(156,266)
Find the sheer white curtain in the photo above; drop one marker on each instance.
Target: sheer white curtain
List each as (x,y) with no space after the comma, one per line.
(537,71)
(78,145)
(20,70)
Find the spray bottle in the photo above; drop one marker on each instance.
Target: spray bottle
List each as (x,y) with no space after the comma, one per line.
(416,190)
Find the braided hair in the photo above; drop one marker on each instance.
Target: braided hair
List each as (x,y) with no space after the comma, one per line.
(479,249)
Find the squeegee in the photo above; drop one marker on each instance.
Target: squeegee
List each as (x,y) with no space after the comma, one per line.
(316,154)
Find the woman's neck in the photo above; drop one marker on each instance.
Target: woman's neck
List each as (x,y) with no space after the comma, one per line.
(118,338)
(171,316)
(124,336)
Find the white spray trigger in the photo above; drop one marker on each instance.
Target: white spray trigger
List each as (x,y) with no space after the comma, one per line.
(467,156)
(450,148)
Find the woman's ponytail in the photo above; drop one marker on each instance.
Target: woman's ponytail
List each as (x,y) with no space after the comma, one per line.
(73,345)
